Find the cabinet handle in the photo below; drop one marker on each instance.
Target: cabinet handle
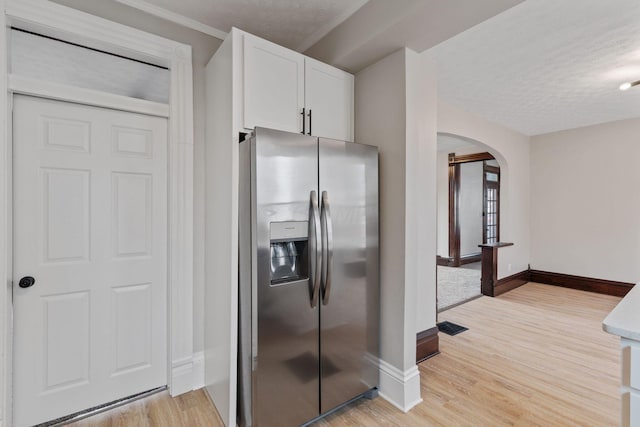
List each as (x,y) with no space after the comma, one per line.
(309,115)
(304,121)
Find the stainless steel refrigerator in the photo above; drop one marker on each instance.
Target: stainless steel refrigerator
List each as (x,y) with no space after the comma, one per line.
(309,277)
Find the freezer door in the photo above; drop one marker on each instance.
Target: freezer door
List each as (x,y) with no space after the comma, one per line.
(349,313)
(287,226)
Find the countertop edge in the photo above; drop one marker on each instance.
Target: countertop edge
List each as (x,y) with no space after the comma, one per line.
(624,319)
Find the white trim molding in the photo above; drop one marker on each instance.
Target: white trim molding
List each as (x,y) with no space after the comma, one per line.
(96,98)
(54,20)
(182,374)
(401,389)
(198,370)
(188,373)
(6,288)
(181,208)
(170,16)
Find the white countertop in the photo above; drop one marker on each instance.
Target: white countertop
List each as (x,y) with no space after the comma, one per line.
(624,319)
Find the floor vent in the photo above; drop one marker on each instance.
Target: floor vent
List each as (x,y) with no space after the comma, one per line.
(451,328)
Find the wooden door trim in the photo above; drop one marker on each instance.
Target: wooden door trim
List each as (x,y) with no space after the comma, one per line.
(467,158)
(454,201)
(454,220)
(53,20)
(496,170)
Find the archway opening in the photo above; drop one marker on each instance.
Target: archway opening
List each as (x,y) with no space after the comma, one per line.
(468,206)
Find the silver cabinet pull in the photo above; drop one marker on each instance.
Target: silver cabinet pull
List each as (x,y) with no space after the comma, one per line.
(327,248)
(315,250)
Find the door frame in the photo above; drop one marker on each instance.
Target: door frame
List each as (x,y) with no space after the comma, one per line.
(54,20)
(485,187)
(455,258)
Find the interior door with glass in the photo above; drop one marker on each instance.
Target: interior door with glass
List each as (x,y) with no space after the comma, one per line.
(491,214)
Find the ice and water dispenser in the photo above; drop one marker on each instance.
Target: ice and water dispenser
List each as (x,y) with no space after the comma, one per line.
(289,251)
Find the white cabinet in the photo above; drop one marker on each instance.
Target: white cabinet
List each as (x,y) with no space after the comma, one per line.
(630,409)
(273,86)
(634,366)
(285,90)
(630,382)
(328,100)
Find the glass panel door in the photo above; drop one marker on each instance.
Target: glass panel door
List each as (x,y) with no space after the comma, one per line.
(491,214)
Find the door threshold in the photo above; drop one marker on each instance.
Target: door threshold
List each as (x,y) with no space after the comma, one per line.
(67,419)
(449,307)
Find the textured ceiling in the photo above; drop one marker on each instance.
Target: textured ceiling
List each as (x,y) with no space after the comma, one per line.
(292,23)
(546,65)
(383,26)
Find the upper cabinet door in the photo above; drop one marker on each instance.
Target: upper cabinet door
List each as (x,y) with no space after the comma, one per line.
(329,98)
(273,86)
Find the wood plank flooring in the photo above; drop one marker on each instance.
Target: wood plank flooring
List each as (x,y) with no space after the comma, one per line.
(160,410)
(535,356)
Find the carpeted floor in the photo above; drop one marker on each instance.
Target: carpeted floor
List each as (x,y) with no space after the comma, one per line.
(456,285)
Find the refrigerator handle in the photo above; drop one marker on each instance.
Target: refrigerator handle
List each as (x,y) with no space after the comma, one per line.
(315,252)
(327,248)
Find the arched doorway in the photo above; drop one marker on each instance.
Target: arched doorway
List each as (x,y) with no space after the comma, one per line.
(468,205)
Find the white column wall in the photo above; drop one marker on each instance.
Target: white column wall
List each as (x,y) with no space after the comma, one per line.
(395,108)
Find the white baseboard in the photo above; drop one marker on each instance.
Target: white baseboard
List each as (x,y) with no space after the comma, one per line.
(401,389)
(181,376)
(187,374)
(198,370)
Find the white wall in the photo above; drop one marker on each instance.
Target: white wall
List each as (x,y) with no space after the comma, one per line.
(422,149)
(385,80)
(395,107)
(585,201)
(470,207)
(511,149)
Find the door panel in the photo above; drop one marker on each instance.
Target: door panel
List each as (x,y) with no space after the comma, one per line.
(349,319)
(132,324)
(66,202)
(90,224)
(67,340)
(273,86)
(329,97)
(286,172)
(132,209)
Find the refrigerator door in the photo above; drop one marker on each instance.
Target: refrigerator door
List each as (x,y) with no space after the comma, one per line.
(349,314)
(286,341)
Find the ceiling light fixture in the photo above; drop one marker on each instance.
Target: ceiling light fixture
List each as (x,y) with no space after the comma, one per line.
(627,85)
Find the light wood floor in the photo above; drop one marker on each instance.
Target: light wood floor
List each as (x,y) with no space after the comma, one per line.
(536,356)
(160,410)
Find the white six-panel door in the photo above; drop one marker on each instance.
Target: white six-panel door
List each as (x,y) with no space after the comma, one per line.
(90,225)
